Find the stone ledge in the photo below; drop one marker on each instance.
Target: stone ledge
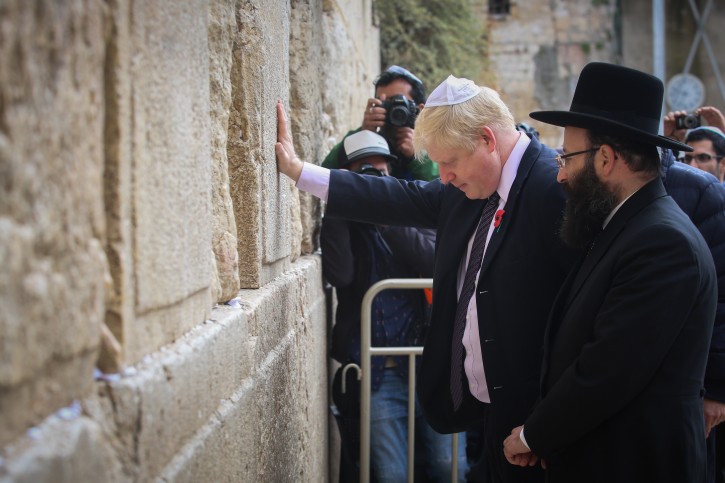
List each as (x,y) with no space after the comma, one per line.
(214,389)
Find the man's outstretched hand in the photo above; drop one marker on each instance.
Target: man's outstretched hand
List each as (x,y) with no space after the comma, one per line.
(287,161)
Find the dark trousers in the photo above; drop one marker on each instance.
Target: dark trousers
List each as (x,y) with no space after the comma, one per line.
(716,455)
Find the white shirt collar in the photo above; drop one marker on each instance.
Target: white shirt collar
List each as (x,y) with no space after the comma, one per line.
(511,167)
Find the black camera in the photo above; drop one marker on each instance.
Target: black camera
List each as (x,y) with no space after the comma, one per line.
(689,121)
(400,111)
(369,169)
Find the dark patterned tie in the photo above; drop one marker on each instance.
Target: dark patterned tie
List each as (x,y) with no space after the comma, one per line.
(469,285)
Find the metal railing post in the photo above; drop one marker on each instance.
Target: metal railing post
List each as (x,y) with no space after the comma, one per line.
(366,352)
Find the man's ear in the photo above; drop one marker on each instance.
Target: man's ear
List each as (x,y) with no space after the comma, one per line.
(489,138)
(608,159)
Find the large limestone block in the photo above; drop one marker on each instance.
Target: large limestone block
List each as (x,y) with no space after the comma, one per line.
(222,27)
(261,197)
(306,45)
(171,394)
(273,426)
(52,264)
(171,171)
(65,448)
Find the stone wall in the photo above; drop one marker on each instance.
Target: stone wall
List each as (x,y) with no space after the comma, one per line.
(538,50)
(163,312)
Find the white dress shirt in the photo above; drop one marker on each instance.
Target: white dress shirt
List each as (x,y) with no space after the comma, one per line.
(473,363)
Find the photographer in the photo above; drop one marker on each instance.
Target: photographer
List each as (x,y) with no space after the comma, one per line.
(354,257)
(708,142)
(677,123)
(399,97)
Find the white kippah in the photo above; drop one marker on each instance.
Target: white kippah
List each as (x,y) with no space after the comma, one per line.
(711,129)
(451,91)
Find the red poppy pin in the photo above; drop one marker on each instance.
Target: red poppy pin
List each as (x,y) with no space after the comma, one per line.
(497,219)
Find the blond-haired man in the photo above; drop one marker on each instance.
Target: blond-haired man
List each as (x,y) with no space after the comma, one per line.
(496,208)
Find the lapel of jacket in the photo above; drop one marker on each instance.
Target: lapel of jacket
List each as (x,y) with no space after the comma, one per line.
(527,162)
(649,192)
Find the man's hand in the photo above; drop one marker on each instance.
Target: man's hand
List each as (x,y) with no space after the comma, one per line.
(714,414)
(287,161)
(404,142)
(374,116)
(669,126)
(516,451)
(713,117)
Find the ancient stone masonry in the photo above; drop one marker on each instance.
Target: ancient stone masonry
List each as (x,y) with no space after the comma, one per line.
(163,313)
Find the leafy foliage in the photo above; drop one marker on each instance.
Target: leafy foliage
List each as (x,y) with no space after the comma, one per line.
(432,38)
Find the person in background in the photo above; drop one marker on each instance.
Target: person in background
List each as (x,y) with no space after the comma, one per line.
(707,141)
(392,112)
(354,257)
(702,198)
(712,116)
(708,150)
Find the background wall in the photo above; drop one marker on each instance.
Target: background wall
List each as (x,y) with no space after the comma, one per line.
(538,49)
(163,312)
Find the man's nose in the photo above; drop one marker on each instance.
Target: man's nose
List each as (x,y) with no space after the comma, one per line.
(562,177)
(446,175)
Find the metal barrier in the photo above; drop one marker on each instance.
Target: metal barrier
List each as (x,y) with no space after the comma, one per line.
(366,352)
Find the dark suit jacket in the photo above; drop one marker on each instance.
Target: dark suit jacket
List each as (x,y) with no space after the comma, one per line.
(626,350)
(524,266)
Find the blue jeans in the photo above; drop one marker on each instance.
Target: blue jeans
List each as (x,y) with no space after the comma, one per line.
(389,438)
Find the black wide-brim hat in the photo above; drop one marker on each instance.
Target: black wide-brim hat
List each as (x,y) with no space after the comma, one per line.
(618,101)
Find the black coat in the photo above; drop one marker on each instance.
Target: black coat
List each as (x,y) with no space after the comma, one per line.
(625,356)
(702,197)
(524,266)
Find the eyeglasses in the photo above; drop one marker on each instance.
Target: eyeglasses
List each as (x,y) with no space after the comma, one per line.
(562,158)
(701,158)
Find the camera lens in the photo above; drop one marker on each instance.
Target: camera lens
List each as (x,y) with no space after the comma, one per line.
(691,121)
(398,116)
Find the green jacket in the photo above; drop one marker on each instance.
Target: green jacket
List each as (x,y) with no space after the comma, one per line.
(425,169)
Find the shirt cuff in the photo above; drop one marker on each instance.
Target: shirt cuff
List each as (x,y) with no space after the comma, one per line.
(523,440)
(314,180)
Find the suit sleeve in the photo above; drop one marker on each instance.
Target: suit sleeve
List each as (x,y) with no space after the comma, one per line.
(384,200)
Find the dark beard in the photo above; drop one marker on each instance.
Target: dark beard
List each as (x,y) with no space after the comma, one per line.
(588,204)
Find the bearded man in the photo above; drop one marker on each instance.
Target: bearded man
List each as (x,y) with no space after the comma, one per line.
(628,334)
